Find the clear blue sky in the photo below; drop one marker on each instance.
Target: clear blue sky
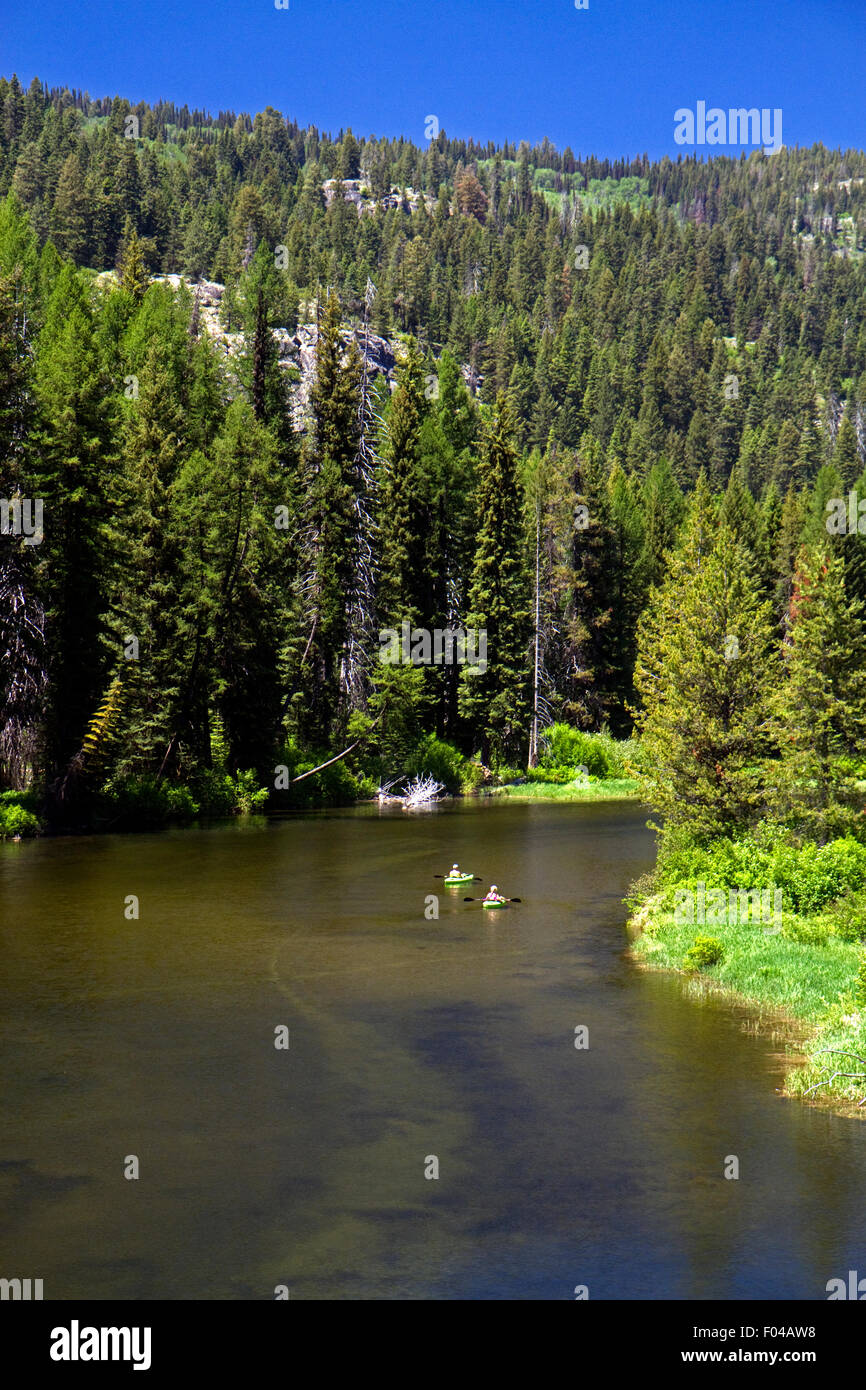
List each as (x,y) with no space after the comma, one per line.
(604,80)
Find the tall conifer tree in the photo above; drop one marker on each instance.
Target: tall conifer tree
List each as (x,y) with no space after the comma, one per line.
(495,702)
(705,670)
(821,707)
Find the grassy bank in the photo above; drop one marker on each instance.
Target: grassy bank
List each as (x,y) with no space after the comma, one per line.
(575,766)
(600,789)
(804,965)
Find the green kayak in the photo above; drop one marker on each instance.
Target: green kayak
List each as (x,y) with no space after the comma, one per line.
(485,903)
(454,880)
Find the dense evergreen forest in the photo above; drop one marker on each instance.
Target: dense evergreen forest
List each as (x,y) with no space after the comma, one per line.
(629,397)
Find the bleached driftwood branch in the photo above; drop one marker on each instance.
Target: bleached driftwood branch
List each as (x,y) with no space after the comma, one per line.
(421,791)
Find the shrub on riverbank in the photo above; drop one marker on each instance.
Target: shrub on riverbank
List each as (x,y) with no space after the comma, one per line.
(706,950)
(564,748)
(575,766)
(143,803)
(19,815)
(339,784)
(435,758)
(811,877)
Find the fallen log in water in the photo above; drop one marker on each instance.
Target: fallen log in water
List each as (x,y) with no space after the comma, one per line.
(421,791)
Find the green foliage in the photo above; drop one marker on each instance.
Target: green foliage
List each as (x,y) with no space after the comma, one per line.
(810,876)
(806,931)
(144,803)
(564,747)
(473,776)
(399,702)
(441,760)
(494,702)
(533,788)
(219,794)
(846,917)
(706,951)
(555,776)
(705,673)
(18,816)
(336,785)
(821,707)
(162,504)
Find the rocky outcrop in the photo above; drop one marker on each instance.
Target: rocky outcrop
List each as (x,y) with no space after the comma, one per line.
(357,192)
(382,357)
(296,350)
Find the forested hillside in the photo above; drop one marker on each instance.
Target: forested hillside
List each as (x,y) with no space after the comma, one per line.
(589,354)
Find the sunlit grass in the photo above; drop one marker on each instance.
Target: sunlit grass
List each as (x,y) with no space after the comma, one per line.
(609,789)
(812,984)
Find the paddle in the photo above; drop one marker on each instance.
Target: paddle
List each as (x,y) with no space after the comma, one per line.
(476,877)
(482,900)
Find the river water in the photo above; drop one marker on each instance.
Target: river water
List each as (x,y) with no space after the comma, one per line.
(413,1043)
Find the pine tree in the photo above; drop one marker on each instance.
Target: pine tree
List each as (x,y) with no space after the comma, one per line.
(828,485)
(448,464)
(22,619)
(787,464)
(264,307)
(70,215)
(788,542)
(592,700)
(629,593)
(73,474)
(159,592)
(663,507)
(495,702)
(133,274)
(704,672)
(329,544)
(821,707)
(852,546)
(14,379)
(770,522)
(226,504)
(549,523)
(405,512)
(846,454)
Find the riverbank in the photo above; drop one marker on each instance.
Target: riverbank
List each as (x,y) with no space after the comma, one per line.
(794,973)
(576,766)
(602,789)
(20,823)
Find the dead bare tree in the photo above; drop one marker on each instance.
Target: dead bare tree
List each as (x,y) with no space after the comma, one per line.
(362,597)
(23,674)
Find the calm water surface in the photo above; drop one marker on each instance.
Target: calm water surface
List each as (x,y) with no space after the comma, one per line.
(409,1038)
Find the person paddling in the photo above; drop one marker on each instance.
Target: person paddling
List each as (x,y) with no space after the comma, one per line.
(494,896)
